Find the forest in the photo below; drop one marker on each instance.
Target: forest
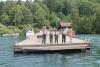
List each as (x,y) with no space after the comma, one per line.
(18,16)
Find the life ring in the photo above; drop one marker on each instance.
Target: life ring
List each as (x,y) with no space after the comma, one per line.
(71,34)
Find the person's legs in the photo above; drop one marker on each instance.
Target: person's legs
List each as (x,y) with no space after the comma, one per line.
(64,38)
(52,40)
(57,39)
(44,38)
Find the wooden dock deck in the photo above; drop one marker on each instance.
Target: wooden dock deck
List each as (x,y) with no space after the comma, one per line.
(34,44)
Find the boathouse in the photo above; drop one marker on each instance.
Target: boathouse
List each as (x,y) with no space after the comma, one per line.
(65,24)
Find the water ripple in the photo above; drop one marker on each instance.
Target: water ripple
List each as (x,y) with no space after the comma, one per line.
(8,59)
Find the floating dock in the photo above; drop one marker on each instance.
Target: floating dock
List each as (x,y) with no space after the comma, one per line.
(34,44)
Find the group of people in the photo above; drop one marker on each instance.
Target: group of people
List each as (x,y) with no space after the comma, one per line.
(54,36)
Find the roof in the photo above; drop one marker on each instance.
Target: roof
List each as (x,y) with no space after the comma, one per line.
(65,24)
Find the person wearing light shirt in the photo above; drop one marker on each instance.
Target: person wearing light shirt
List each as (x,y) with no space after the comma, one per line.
(44,35)
(64,32)
(51,37)
(56,35)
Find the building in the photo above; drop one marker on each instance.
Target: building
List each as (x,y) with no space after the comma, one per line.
(65,25)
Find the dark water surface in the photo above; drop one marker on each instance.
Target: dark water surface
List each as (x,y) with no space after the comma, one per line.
(87,59)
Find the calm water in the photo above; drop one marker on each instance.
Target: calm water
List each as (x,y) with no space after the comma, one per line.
(88,59)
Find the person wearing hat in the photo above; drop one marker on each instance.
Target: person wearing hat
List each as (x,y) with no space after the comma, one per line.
(63,36)
(44,36)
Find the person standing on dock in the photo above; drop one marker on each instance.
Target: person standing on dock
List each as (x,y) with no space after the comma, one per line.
(56,36)
(71,34)
(51,37)
(64,36)
(44,36)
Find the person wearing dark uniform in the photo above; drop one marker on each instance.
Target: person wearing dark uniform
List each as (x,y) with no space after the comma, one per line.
(56,37)
(51,37)
(63,37)
(44,36)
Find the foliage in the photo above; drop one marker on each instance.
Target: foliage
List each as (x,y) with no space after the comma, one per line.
(84,14)
(4,30)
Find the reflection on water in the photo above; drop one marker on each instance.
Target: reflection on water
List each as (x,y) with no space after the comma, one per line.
(82,59)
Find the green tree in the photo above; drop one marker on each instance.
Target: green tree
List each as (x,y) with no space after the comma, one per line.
(16,14)
(84,14)
(96,26)
(86,24)
(1,7)
(27,16)
(4,18)
(40,15)
(54,20)
(86,8)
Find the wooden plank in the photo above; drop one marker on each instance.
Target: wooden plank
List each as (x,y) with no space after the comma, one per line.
(56,47)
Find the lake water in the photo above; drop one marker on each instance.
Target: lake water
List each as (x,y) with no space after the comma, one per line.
(88,59)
